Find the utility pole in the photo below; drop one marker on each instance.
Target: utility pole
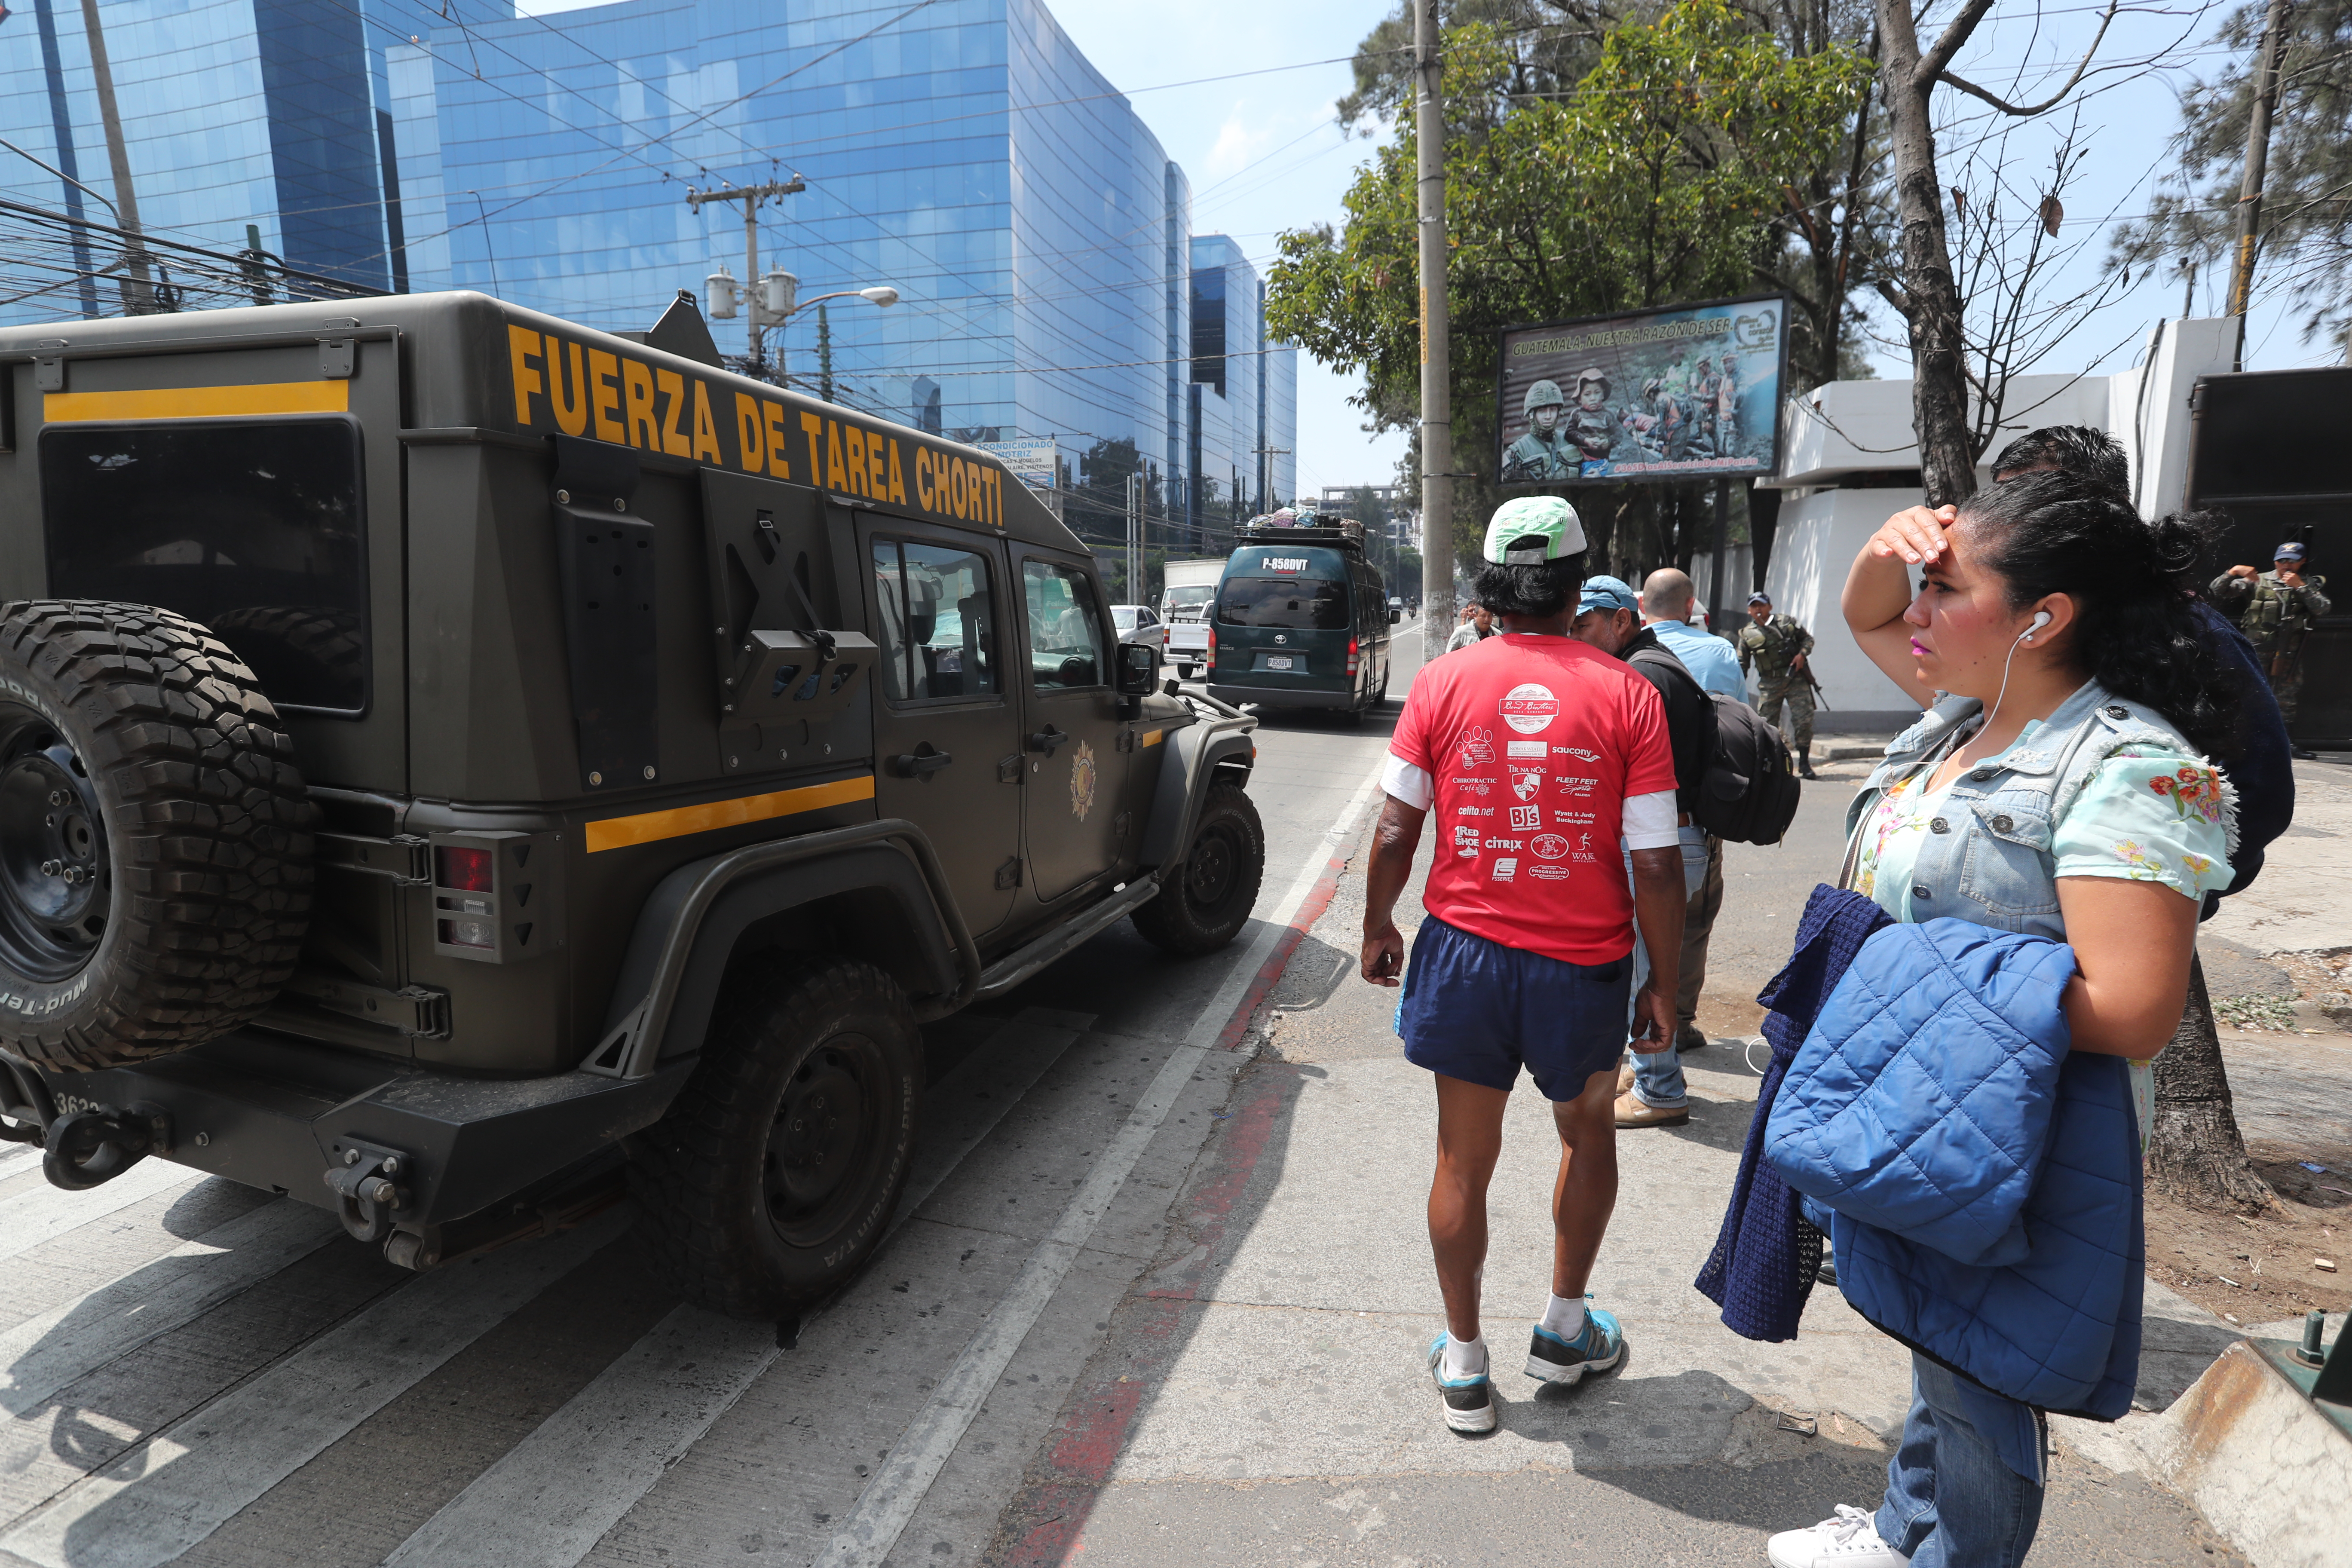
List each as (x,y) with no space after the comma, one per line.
(1135,539)
(137,290)
(1436,408)
(772,296)
(2258,152)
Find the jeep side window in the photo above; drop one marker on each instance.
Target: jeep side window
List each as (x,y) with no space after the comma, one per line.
(253,528)
(938,622)
(1066,636)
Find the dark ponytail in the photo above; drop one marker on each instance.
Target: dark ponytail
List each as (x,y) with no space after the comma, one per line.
(2137,632)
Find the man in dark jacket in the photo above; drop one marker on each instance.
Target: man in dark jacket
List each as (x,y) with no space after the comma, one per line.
(1652,1092)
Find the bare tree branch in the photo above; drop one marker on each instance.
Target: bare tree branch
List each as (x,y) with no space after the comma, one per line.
(1955,38)
(2047,104)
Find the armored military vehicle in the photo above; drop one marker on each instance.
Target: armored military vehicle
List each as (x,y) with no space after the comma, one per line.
(454,761)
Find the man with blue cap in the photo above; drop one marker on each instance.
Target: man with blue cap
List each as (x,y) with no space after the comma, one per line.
(2276,610)
(1538,755)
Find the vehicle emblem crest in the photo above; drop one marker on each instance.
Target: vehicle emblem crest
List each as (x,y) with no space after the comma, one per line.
(1282,637)
(1082,781)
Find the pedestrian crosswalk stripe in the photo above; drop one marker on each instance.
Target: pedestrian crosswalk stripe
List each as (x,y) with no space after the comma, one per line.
(28,1219)
(16,1161)
(161,1497)
(553,1496)
(44,1353)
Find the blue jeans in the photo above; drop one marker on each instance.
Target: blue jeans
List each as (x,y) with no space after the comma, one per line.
(1952,1501)
(1658,1075)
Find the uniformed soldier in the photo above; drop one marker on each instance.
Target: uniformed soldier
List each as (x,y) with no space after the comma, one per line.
(1778,646)
(2275,610)
(1545,452)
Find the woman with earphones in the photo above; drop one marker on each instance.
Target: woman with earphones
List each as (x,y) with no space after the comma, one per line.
(2061,785)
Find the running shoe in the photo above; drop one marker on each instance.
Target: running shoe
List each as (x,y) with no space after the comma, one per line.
(1597,1347)
(1850,1540)
(1469,1400)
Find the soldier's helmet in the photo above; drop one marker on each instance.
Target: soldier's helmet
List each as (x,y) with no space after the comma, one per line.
(1585,378)
(1542,394)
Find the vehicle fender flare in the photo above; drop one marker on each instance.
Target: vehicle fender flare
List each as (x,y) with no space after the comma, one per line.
(1196,755)
(686,932)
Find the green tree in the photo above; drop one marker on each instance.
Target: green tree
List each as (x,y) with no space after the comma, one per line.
(1660,177)
(2306,232)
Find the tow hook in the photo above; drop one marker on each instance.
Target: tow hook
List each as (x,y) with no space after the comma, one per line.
(85,1149)
(366,1189)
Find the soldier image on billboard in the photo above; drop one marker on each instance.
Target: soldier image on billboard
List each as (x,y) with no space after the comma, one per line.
(1545,452)
(1707,387)
(1727,409)
(1669,428)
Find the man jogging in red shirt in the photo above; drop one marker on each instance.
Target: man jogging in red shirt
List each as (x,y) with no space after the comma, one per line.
(1539,756)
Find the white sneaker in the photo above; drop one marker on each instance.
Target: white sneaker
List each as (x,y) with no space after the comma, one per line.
(1849,1540)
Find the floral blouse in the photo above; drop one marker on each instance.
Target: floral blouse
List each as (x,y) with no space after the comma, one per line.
(2149,814)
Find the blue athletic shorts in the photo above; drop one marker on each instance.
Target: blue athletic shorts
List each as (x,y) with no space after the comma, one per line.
(1478,1011)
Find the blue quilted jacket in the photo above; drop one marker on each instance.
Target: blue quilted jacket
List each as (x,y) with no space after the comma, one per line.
(1983,1182)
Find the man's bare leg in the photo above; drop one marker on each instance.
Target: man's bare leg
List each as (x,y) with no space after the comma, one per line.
(1469,1139)
(1586,1192)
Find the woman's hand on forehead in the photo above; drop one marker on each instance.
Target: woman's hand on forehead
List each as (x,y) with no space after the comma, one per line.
(1916,534)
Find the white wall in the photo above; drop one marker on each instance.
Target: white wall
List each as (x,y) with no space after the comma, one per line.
(1817,537)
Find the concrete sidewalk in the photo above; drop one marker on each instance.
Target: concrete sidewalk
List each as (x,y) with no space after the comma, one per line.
(1261,1396)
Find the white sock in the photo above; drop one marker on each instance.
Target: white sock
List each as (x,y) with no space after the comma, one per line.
(1465,1357)
(1565,1316)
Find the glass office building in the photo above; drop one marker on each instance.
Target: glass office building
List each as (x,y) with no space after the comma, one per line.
(967,155)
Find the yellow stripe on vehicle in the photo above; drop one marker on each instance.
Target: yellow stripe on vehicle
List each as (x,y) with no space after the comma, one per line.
(647,828)
(199,402)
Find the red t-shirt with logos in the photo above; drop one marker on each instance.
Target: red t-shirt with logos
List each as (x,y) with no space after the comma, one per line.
(1533,744)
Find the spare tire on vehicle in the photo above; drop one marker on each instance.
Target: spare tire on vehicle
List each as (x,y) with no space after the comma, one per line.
(155,837)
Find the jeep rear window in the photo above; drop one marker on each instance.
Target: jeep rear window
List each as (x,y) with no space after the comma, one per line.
(252,528)
(1300,604)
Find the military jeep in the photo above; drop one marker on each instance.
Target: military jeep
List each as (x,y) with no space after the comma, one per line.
(455,765)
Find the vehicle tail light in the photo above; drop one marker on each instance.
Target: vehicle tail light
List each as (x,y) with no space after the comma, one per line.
(466,871)
(1351,655)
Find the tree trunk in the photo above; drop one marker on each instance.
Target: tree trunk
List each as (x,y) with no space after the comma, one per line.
(2194,1150)
(1931,303)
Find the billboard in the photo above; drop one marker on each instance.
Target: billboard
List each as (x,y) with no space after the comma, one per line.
(1029,458)
(1688,393)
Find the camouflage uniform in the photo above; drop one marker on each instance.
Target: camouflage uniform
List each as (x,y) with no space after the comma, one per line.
(1772,647)
(2275,619)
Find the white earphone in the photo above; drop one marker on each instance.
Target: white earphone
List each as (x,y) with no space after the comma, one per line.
(2041,619)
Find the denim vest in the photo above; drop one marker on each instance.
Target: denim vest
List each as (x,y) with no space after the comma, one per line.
(1988,853)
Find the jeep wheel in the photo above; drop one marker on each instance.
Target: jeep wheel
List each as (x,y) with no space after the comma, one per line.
(771,1178)
(1205,899)
(155,837)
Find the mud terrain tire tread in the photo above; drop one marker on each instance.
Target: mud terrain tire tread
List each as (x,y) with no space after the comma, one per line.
(208,826)
(700,1227)
(1176,923)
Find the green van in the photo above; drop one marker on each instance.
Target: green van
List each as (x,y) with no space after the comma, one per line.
(1301,620)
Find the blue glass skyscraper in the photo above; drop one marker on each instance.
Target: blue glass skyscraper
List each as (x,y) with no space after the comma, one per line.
(967,155)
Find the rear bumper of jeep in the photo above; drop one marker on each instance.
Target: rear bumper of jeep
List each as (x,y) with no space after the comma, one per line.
(285,1116)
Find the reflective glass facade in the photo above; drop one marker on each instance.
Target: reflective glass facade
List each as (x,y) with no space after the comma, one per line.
(970,155)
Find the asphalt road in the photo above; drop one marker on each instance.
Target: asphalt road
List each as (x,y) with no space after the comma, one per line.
(191,1372)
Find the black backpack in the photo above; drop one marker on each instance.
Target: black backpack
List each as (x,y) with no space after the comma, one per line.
(1749,790)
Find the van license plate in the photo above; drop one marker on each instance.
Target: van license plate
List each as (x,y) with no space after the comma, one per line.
(1277,661)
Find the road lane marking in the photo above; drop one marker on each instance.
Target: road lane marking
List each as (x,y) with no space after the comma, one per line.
(17,1161)
(28,1219)
(44,1353)
(889,1500)
(548,1500)
(159,1498)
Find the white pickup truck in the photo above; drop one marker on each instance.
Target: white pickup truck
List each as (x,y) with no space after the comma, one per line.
(1187,589)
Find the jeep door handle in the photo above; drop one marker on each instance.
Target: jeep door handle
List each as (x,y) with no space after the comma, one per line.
(1046,738)
(920,764)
